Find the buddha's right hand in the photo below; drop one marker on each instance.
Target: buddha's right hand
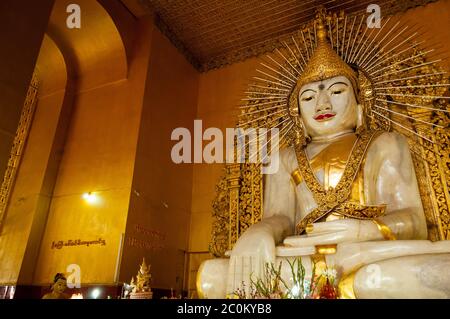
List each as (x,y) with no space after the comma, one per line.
(252,251)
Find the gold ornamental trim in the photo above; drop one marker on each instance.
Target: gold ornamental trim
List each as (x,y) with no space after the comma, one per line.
(335,199)
(346,286)
(384,230)
(15,157)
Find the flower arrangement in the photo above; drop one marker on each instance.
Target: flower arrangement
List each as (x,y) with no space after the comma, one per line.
(270,286)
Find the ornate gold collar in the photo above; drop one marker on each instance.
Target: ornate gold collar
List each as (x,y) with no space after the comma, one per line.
(329,200)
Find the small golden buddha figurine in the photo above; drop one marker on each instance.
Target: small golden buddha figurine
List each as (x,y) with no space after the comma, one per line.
(58,288)
(141,287)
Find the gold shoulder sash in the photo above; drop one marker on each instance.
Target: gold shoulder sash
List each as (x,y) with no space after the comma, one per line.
(335,199)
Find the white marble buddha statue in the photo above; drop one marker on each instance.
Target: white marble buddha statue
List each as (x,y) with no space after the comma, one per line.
(346,195)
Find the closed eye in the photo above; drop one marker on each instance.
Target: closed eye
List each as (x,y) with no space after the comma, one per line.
(337,92)
(308,98)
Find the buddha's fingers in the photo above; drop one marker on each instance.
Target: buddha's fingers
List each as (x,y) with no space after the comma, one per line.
(326,227)
(242,271)
(238,275)
(246,272)
(314,240)
(231,278)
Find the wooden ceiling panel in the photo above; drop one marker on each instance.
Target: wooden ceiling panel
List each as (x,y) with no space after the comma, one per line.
(212,33)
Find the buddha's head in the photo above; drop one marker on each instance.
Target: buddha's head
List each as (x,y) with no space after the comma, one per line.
(325,95)
(328,107)
(59,283)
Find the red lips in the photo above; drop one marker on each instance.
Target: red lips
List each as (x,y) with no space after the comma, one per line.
(324,116)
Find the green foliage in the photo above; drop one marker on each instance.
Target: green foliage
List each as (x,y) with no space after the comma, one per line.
(269,285)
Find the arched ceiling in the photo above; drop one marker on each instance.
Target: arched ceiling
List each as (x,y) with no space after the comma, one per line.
(212,33)
(51,68)
(95,53)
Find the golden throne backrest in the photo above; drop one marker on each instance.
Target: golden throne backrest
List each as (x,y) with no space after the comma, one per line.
(432,165)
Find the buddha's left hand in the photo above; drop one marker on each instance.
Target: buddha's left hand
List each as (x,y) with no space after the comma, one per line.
(335,232)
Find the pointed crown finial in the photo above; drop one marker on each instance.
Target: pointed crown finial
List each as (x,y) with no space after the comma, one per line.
(325,63)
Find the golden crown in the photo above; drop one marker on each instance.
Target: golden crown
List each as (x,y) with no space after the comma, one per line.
(325,63)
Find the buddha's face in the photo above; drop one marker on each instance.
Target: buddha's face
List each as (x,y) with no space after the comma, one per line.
(60,286)
(328,107)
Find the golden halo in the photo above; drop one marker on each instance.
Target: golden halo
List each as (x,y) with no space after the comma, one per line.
(397,82)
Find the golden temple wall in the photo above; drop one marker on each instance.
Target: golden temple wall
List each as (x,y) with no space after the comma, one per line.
(99,158)
(83,139)
(160,205)
(30,199)
(219,94)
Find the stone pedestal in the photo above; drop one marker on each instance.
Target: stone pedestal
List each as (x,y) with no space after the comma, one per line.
(142,295)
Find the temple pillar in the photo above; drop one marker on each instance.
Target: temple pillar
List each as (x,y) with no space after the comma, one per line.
(20,48)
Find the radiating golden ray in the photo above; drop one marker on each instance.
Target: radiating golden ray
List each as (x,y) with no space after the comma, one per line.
(271,82)
(279,140)
(279,73)
(349,38)
(412,86)
(407,116)
(407,69)
(260,110)
(337,34)
(376,45)
(330,34)
(259,98)
(261,117)
(255,86)
(268,88)
(293,55)
(247,106)
(294,78)
(358,46)
(299,51)
(354,41)
(382,59)
(343,37)
(266,93)
(275,78)
(283,132)
(413,105)
(361,55)
(401,61)
(412,77)
(288,62)
(249,131)
(402,126)
(306,47)
(367,55)
(412,47)
(416,96)
(277,118)
(252,130)
(315,35)
(368,64)
(265,125)
(311,43)
(375,58)
(251,157)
